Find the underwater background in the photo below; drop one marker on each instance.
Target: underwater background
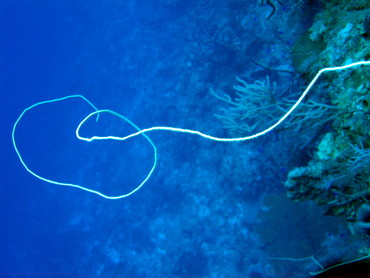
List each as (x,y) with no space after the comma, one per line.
(286,204)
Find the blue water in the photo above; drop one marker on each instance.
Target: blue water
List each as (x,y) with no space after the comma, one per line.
(203,213)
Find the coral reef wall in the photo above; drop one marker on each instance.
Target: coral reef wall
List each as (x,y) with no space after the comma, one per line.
(338,175)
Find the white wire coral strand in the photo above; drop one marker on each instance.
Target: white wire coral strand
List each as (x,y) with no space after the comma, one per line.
(76,185)
(222,139)
(164,128)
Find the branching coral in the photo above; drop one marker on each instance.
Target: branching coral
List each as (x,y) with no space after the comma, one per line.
(259,104)
(360,158)
(244,113)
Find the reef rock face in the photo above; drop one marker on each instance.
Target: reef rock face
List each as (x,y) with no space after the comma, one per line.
(338,175)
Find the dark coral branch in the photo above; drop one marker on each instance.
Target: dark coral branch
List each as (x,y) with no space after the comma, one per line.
(273,9)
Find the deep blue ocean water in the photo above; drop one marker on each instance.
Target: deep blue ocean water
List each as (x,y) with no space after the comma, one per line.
(204,212)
